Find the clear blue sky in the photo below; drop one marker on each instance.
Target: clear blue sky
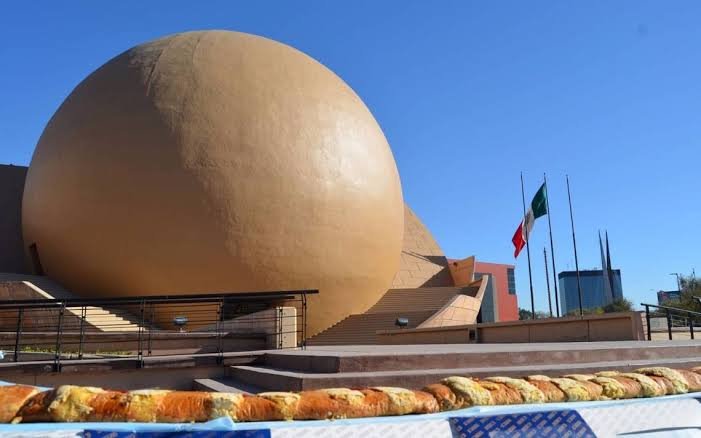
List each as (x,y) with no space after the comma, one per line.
(468,94)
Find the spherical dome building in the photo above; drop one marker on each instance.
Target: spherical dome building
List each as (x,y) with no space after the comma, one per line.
(216,161)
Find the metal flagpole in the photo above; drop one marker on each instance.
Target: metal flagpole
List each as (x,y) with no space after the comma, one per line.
(574,244)
(552,248)
(609,268)
(605,273)
(547,280)
(528,251)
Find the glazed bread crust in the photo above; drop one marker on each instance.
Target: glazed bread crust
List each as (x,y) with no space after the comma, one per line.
(552,393)
(69,403)
(13,398)
(36,408)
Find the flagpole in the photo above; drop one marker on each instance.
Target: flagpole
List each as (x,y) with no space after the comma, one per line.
(552,247)
(528,251)
(574,244)
(547,280)
(609,268)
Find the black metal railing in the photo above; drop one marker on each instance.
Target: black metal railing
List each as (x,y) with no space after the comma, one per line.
(137,327)
(673,316)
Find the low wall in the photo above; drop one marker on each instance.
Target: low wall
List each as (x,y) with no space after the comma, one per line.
(623,326)
(174,372)
(279,325)
(127,343)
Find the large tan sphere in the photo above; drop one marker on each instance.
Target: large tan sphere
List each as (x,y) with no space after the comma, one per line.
(216,161)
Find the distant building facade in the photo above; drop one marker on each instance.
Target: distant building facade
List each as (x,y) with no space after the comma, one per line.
(666,296)
(594,289)
(500,302)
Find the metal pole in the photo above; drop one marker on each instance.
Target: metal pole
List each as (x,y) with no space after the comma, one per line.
(547,281)
(304,320)
(150,327)
(647,320)
(552,247)
(528,251)
(220,319)
(574,244)
(691,325)
(59,334)
(279,327)
(140,353)
(669,325)
(18,333)
(83,315)
(679,283)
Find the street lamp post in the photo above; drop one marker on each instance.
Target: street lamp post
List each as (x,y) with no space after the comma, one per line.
(679,283)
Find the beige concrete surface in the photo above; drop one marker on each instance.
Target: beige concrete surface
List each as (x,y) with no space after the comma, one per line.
(423,263)
(212,162)
(461,309)
(279,325)
(462,271)
(424,349)
(623,326)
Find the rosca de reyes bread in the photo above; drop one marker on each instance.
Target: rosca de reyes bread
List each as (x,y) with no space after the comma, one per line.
(70,403)
(12,398)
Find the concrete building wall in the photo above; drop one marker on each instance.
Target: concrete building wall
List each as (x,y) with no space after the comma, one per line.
(239,164)
(11,243)
(462,271)
(505,301)
(422,263)
(623,326)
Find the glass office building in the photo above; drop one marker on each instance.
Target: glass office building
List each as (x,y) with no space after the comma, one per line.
(594,289)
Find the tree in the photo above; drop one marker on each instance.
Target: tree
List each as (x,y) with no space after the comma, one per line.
(619,305)
(524,314)
(587,311)
(691,289)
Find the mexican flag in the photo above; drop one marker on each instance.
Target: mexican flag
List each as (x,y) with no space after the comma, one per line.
(538,208)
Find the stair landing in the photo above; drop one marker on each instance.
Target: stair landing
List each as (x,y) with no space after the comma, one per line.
(414,366)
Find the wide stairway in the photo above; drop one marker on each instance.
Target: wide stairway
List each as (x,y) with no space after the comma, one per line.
(414,366)
(105,320)
(23,287)
(360,329)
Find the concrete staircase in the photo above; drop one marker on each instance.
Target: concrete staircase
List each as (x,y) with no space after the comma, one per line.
(105,320)
(415,366)
(359,329)
(27,287)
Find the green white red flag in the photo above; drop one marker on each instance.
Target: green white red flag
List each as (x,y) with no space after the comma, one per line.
(538,208)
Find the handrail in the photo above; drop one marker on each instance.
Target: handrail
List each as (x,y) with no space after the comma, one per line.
(691,312)
(191,298)
(66,320)
(668,313)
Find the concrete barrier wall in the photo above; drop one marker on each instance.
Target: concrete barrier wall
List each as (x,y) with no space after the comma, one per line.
(128,343)
(624,326)
(279,325)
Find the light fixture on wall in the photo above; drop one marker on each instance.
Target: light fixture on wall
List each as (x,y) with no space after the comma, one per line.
(401,322)
(180,322)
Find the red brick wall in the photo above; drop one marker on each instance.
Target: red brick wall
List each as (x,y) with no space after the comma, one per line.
(507,304)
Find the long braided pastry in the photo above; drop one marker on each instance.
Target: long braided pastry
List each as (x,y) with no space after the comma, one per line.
(68,403)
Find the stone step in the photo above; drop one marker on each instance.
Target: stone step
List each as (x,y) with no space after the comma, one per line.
(104,319)
(285,380)
(224,384)
(416,357)
(361,328)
